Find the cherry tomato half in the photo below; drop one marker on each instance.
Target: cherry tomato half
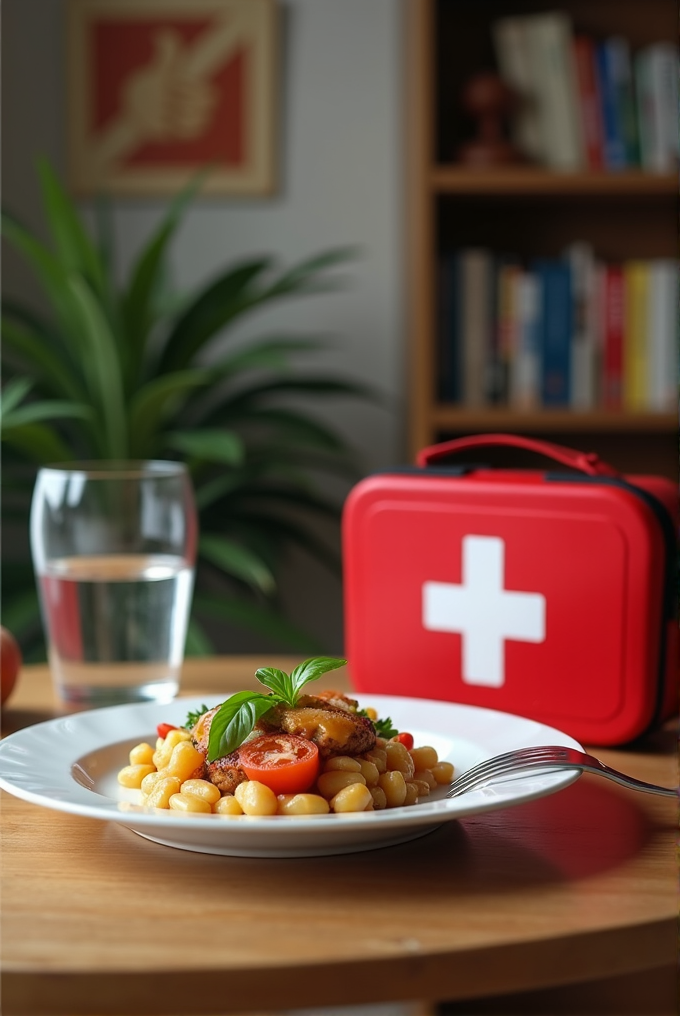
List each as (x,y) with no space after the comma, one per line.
(406,739)
(285,763)
(163,729)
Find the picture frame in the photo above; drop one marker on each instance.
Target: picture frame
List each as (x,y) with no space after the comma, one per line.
(159,89)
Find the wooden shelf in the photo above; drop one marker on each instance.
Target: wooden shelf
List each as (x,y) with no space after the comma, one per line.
(446,417)
(528,210)
(529,182)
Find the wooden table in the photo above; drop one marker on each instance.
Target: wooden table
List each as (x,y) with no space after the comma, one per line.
(574,887)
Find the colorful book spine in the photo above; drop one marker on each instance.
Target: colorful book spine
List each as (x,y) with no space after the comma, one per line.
(589,100)
(664,292)
(656,88)
(581,260)
(622,72)
(512,56)
(612,328)
(503,330)
(635,335)
(615,155)
(556,311)
(450,388)
(551,58)
(652,155)
(525,365)
(476,286)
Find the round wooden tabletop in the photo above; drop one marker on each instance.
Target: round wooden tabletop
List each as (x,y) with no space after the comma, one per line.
(572,887)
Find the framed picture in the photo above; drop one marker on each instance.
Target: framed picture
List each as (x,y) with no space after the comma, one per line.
(159,89)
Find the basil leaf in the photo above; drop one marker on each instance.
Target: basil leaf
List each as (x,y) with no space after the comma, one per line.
(235,719)
(237,716)
(312,669)
(278,681)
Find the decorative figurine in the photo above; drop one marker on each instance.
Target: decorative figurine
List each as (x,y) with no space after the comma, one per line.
(489,101)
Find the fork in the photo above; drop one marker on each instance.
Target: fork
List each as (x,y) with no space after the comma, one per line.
(546,757)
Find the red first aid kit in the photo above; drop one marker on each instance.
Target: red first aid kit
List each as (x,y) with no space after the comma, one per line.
(547,594)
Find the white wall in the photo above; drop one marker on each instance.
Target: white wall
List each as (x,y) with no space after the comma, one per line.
(341,123)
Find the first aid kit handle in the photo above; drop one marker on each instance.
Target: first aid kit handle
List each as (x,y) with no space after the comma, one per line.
(587,462)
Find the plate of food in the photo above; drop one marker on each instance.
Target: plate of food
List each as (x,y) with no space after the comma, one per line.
(281,773)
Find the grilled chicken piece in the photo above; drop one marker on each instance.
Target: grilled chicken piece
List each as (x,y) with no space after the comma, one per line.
(325,719)
(224,772)
(337,699)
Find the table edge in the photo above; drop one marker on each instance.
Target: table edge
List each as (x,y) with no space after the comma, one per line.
(460,974)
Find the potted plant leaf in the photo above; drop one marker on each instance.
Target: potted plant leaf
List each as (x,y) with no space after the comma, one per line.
(133,371)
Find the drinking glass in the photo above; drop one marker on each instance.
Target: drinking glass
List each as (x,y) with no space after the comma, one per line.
(114,547)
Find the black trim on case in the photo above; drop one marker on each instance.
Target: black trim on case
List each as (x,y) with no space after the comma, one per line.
(431,471)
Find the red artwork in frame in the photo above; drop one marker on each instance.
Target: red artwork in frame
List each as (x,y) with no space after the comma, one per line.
(160,88)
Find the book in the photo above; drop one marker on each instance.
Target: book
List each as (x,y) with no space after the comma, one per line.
(589,100)
(476,300)
(652,156)
(551,60)
(611,305)
(598,324)
(525,364)
(584,346)
(620,63)
(669,88)
(512,56)
(556,330)
(664,292)
(450,387)
(626,100)
(656,89)
(607,56)
(635,335)
(504,323)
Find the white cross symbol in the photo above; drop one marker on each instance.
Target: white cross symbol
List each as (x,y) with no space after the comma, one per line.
(483,611)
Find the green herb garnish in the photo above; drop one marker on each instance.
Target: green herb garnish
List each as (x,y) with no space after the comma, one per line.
(193,718)
(236,718)
(383,728)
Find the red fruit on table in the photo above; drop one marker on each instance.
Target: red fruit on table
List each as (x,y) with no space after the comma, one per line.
(10,663)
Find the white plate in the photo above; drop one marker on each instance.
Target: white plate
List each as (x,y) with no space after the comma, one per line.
(70,764)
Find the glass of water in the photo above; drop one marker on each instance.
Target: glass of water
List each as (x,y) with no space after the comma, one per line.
(114,548)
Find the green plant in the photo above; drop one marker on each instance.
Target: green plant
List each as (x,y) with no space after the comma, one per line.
(133,371)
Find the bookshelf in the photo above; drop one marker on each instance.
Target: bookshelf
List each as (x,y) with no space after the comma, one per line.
(627,214)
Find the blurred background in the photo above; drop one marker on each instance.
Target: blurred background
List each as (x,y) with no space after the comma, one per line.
(339,182)
(411,133)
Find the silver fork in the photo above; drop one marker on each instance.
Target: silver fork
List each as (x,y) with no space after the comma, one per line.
(546,757)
